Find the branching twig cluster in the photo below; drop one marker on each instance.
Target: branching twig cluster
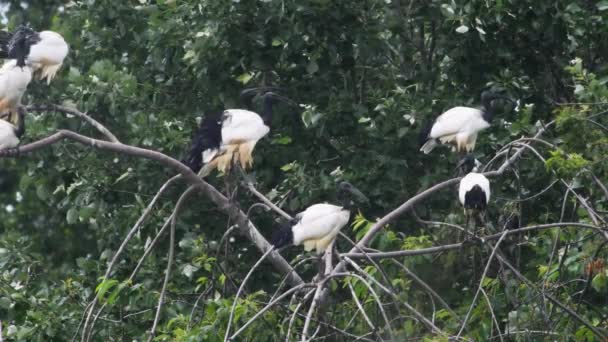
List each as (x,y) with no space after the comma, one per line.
(385,300)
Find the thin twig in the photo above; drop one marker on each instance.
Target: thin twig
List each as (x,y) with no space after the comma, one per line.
(161,297)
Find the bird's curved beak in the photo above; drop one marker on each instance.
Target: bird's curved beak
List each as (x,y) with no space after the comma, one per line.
(283,99)
(249,93)
(358,195)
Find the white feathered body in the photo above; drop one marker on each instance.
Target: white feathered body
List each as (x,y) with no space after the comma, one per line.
(13,83)
(458,125)
(8,139)
(471,180)
(241,130)
(48,54)
(318,226)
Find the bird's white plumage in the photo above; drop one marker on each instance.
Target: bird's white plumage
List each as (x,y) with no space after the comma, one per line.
(8,139)
(458,125)
(318,226)
(469,181)
(48,54)
(13,82)
(241,126)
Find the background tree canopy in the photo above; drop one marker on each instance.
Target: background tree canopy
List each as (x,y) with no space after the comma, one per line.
(367,74)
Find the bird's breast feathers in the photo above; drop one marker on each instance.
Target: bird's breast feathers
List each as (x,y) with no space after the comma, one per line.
(8,139)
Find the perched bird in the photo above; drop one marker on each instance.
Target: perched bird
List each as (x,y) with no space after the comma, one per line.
(318,225)
(13,83)
(44,51)
(474,191)
(231,136)
(9,133)
(460,125)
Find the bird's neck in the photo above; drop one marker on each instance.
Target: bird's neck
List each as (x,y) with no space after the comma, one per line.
(267,111)
(488,113)
(20,126)
(488,109)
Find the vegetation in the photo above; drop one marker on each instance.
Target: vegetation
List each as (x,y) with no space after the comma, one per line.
(367,74)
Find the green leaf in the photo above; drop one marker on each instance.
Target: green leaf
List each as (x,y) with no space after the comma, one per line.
(600,282)
(72,215)
(244,78)
(312,67)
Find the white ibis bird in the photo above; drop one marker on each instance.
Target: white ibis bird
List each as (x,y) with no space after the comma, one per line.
(474,190)
(11,134)
(460,125)
(318,225)
(13,83)
(231,136)
(44,51)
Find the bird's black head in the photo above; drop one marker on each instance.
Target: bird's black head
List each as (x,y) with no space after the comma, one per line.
(350,195)
(283,236)
(488,96)
(269,98)
(468,163)
(18,46)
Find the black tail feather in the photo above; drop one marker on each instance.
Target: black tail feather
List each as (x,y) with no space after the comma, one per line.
(425,130)
(208,136)
(283,236)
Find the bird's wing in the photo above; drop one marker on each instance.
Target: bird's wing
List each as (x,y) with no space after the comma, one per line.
(13,83)
(318,221)
(241,125)
(47,48)
(469,181)
(454,121)
(205,143)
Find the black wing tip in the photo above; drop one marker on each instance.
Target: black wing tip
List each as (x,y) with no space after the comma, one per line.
(283,236)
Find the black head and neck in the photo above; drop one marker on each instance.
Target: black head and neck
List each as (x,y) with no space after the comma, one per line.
(18,46)
(468,163)
(283,236)
(487,99)
(20,130)
(269,99)
(349,196)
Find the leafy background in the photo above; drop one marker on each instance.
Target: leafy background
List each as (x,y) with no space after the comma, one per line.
(368,74)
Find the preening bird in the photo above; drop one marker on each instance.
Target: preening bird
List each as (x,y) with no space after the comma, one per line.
(231,136)
(474,190)
(9,133)
(44,51)
(318,225)
(460,125)
(13,83)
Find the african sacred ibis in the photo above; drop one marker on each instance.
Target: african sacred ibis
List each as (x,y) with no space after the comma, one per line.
(231,136)
(474,190)
(44,51)
(9,133)
(460,125)
(318,225)
(13,83)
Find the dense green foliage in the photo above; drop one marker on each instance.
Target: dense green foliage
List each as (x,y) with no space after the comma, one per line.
(368,73)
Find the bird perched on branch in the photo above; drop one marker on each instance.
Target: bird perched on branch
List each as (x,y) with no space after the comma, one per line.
(318,225)
(11,134)
(460,125)
(474,190)
(231,136)
(13,83)
(43,51)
